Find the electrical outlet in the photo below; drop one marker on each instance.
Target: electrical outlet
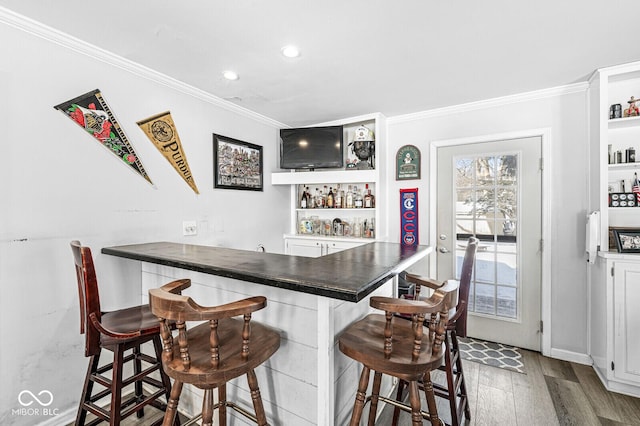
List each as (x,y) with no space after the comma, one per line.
(189,227)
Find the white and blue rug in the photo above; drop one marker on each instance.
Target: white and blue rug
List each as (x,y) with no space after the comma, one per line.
(493,354)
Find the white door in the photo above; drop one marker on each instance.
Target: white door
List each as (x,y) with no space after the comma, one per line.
(493,190)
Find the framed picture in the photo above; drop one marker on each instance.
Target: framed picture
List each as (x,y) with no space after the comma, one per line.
(237,164)
(627,239)
(408,163)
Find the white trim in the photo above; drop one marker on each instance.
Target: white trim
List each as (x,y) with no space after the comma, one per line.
(545,135)
(491,103)
(38,29)
(575,357)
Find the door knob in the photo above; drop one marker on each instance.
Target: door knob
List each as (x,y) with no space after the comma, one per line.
(443,249)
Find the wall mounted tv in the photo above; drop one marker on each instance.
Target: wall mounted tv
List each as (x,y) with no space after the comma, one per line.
(311,148)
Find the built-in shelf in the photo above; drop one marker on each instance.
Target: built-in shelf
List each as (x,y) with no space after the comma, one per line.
(619,123)
(322,176)
(624,166)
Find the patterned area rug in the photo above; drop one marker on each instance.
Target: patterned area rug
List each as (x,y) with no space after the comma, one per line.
(493,354)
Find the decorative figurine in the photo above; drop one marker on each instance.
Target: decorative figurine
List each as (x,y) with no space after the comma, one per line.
(632,111)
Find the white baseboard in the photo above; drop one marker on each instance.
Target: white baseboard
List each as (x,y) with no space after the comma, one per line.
(577,357)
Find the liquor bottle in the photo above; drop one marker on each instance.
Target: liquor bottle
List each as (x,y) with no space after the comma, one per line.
(339,197)
(359,200)
(369,199)
(304,200)
(349,198)
(316,200)
(330,199)
(323,195)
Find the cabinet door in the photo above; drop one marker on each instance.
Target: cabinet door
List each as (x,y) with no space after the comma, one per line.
(336,246)
(308,248)
(626,321)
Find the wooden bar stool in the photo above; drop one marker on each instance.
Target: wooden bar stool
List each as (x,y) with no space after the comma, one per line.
(118,331)
(407,350)
(455,390)
(213,352)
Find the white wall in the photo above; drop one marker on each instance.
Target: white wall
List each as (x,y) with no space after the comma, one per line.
(566,115)
(58,184)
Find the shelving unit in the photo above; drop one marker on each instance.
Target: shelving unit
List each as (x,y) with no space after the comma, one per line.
(614,279)
(314,244)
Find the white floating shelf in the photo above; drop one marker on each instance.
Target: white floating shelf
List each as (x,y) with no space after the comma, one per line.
(328,176)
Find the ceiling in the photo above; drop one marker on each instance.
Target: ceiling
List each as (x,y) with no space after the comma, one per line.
(358,56)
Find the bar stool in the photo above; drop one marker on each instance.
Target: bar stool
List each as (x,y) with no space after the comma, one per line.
(455,390)
(407,350)
(213,352)
(118,331)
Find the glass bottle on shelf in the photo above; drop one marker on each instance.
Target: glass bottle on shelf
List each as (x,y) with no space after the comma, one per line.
(357,228)
(339,197)
(304,198)
(316,199)
(369,198)
(330,198)
(323,196)
(359,200)
(349,198)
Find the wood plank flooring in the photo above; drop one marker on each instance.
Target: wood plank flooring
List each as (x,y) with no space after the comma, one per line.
(551,393)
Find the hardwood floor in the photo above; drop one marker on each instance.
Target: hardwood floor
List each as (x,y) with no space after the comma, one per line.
(552,392)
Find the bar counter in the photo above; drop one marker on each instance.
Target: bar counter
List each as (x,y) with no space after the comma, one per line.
(347,275)
(310,300)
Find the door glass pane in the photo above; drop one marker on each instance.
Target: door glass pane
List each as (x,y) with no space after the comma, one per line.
(506,269)
(485,267)
(487,208)
(507,302)
(485,299)
(507,170)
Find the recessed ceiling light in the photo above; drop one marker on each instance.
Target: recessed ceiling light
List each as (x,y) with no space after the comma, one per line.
(230,75)
(290,51)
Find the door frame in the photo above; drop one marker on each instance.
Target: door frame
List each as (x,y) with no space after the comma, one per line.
(545,135)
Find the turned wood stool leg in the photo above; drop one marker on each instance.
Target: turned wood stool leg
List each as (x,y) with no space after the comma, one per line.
(257,399)
(360,397)
(222,404)
(414,401)
(399,398)
(375,392)
(172,404)
(207,408)
(431,399)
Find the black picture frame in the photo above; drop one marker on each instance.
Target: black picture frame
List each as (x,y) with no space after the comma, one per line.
(237,164)
(627,240)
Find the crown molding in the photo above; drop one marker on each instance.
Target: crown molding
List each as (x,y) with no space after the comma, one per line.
(491,103)
(52,35)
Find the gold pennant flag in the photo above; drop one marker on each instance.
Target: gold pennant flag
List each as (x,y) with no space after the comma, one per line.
(161,130)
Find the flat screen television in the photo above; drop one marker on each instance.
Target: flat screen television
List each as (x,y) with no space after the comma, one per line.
(311,147)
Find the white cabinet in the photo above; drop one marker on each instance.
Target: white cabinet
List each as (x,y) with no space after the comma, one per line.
(615,320)
(321,231)
(315,247)
(626,321)
(614,279)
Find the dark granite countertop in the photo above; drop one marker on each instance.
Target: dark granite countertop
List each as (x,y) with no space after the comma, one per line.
(347,275)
